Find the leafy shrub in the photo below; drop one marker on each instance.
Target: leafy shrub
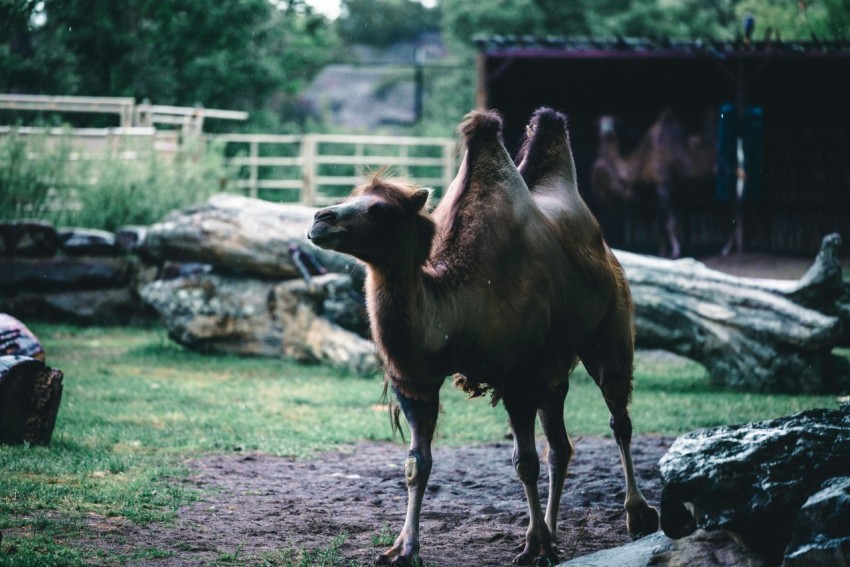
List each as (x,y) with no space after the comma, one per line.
(42,177)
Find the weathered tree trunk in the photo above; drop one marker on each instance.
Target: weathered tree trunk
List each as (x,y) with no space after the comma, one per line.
(751,334)
(30,393)
(243,236)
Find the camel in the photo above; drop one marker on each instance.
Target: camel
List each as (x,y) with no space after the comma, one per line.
(506,287)
(667,161)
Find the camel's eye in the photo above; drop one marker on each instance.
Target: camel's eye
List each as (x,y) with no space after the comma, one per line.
(381,211)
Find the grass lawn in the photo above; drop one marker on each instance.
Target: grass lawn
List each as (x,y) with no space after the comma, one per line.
(135,406)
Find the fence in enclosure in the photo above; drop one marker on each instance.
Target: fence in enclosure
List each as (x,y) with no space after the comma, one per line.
(312,169)
(318,169)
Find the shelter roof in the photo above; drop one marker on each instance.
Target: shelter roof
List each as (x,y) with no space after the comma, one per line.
(660,48)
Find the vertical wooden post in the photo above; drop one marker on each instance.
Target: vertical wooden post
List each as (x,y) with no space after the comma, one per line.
(253,168)
(308,155)
(481,88)
(403,152)
(448,165)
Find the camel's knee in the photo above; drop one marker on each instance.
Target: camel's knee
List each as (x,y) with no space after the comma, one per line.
(417,468)
(559,457)
(527,466)
(622,427)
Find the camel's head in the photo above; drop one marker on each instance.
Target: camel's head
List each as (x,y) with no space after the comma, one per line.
(383,221)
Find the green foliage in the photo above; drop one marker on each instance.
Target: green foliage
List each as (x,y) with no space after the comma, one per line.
(463,20)
(384,22)
(824,19)
(241,54)
(30,167)
(104,192)
(384,538)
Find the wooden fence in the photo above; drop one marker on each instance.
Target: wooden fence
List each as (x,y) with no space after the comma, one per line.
(133,143)
(318,169)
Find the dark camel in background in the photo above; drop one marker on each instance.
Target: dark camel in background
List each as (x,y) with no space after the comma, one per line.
(667,165)
(507,285)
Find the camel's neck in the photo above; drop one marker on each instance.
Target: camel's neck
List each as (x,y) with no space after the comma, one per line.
(397,299)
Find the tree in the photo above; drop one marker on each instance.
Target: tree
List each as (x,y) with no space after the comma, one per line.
(822,19)
(384,22)
(241,54)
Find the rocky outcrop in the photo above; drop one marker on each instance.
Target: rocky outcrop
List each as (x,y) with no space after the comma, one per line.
(73,274)
(821,535)
(701,549)
(753,479)
(28,238)
(222,313)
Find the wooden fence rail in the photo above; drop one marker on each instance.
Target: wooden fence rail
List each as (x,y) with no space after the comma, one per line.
(318,169)
(312,169)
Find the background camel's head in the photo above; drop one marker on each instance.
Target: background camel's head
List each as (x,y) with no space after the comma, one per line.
(383,221)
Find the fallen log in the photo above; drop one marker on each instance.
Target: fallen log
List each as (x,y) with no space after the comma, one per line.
(242,236)
(30,394)
(750,334)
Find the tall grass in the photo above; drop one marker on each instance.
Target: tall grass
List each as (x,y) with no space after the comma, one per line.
(41,176)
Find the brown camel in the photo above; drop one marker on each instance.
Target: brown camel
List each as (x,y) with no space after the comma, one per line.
(506,287)
(667,161)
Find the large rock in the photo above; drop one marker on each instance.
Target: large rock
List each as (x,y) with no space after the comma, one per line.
(752,479)
(120,305)
(212,312)
(64,273)
(701,549)
(28,238)
(240,235)
(821,536)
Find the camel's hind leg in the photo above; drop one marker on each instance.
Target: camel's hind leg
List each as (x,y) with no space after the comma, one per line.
(538,540)
(614,377)
(551,414)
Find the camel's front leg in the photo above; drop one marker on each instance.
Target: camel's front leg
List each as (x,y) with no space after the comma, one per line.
(539,547)
(422,417)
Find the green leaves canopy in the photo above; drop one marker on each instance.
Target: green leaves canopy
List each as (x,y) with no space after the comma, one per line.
(239,54)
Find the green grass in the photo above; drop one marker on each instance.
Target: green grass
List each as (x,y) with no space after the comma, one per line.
(135,406)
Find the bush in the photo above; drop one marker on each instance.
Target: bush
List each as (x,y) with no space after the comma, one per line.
(40,178)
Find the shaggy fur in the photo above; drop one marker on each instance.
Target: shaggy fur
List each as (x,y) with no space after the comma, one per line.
(507,284)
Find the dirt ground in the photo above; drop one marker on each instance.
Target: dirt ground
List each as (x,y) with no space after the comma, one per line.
(474,512)
(255,505)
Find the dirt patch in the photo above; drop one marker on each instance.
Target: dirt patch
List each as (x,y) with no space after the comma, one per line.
(474,512)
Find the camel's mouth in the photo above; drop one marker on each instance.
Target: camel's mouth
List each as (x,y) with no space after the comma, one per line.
(325,235)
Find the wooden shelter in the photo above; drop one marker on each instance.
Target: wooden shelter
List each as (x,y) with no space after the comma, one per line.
(802,89)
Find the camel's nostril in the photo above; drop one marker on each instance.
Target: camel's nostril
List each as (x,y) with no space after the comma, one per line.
(326,215)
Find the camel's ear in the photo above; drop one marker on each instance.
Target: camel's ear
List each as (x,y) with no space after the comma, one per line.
(420,198)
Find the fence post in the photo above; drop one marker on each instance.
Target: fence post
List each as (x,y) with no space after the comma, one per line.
(308,155)
(448,165)
(253,168)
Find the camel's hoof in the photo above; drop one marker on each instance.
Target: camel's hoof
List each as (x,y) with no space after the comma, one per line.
(395,560)
(642,521)
(541,558)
